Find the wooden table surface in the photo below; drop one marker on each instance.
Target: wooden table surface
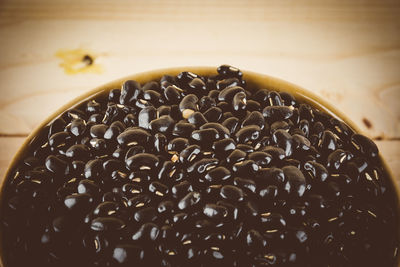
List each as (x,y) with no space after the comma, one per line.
(345,51)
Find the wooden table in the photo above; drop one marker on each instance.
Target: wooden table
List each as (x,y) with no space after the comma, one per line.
(345,51)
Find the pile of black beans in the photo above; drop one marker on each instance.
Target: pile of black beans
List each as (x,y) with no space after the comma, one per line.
(194,171)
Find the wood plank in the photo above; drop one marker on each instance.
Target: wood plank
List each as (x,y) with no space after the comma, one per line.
(345,51)
(390,150)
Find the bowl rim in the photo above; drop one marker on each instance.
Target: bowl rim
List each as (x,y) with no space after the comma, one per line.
(251,77)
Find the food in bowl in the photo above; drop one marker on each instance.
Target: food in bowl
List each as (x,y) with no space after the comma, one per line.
(194,170)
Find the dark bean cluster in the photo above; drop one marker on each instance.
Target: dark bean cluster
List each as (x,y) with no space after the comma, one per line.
(195,171)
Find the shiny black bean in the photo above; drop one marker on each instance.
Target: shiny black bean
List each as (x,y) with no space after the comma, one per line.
(98,130)
(254,118)
(206,135)
(270,176)
(214,211)
(239,102)
(328,142)
(181,189)
(228,71)
(147,232)
(78,152)
(176,145)
(260,158)
(59,140)
(143,215)
(228,93)
(269,193)
(163,124)
(56,164)
(245,148)
(197,85)
(79,202)
(274,99)
(248,133)
(304,126)
(337,158)
(300,142)
(146,115)
(224,147)
(218,175)
(188,201)
(232,193)
(284,140)
(133,137)
(275,113)
(279,125)
(317,170)
(173,94)
(202,165)
(231,124)
(197,119)
(230,82)
(365,145)
(166,207)
(142,161)
(236,156)
(88,187)
(130,92)
(213,114)
(158,188)
(288,99)
(246,167)
(78,127)
(188,105)
(296,182)
(114,130)
(167,170)
(160,142)
(189,153)
(183,129)
(242,183)
(128,254)
(222,130)
(153,97)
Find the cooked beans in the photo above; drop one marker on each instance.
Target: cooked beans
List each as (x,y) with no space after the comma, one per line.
(196,171)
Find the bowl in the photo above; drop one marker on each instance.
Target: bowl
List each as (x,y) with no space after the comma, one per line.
(254,81)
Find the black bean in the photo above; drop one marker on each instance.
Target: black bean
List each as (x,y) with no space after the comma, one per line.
(275,113)
(215,211)
(173,94)
(133,137)
(143,215)
(59,140)
(217,175)
(188,105)
(213,114)
(98,130)
(230,82)
(248,167)
(248,133)
(222,130)
(227,71)
(248,184)
(146,115)
(274,99)
(365,145)
(153,97)
(260,158)
(255,240)
(197,119)
(166,207)
(279,125)
(56,165)
(164,124)
(224,147)
(328,142)
(78,127)
(236,156)
(176,145)
(317,170)
(284,140)
(228,93)
(231,124)
(232,193)
(254,118)
(203,165)
(288,98)
(191,199)
(304,126)
(296,182)
(128,254)
(182,188)
(183,129)
(239,102)
(189,153)
(142,161)
(79,152)
(88,186)
(269,193)
(158,188)
(147,232)
(206,135)
(78,202)
(130,92)
(271,176)
(160,142)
